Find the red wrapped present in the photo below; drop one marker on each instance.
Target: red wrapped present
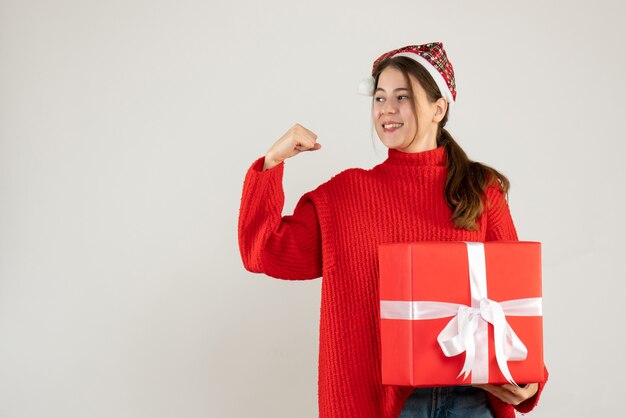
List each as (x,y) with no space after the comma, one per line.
(454,313)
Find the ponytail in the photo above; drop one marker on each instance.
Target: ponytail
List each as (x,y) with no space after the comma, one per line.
(466,183)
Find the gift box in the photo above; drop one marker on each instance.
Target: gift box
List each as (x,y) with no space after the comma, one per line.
(454,313)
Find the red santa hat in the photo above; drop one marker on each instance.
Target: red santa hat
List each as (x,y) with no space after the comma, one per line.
(431,56)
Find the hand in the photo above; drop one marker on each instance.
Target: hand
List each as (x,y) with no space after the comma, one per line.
(295,140)
(511,394)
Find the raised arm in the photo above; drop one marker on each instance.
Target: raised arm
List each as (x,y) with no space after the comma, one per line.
(284,247)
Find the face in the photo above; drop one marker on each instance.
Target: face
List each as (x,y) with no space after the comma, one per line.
(394,118)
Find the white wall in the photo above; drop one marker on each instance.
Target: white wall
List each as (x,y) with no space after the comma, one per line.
(126,128)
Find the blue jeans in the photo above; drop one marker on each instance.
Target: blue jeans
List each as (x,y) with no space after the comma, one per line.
(447,402)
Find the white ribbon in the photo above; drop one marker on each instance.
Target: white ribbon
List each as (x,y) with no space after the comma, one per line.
(467,331)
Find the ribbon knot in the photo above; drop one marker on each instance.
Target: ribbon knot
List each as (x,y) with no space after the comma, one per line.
(459,336)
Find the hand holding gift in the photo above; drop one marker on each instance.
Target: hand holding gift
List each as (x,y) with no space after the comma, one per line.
(511,394)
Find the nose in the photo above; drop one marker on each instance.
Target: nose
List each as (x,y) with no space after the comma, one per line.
(389,107)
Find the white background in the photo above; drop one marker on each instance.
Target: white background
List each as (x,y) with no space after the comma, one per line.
(126,129)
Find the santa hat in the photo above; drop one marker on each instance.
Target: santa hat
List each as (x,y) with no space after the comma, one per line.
(431,56)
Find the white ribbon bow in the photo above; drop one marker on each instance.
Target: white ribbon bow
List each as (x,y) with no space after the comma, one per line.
(467,331)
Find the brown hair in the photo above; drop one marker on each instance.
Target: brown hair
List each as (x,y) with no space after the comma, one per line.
(466,180)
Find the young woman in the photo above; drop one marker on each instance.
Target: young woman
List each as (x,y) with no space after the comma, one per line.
(427,189)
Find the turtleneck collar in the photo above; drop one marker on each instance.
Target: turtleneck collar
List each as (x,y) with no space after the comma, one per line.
(434,157)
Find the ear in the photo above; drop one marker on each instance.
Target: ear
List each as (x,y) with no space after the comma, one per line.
(441,107)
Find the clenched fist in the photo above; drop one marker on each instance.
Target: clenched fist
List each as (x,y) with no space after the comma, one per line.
(295,140)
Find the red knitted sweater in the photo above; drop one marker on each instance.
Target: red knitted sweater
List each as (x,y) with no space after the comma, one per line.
(334,233)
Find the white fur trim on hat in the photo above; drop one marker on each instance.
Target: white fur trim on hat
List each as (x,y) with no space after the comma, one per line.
(436,75)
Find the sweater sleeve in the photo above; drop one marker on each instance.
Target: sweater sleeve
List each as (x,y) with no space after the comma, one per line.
(285,247)
(500,227)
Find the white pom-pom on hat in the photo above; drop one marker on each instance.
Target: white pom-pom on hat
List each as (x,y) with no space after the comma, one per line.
(366,86)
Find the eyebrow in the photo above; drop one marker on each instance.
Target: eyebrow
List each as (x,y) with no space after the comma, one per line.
(398,89)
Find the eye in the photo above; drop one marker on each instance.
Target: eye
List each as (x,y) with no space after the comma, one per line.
(379,99)
(403,97)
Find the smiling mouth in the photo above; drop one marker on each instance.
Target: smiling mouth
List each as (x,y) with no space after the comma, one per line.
(392,126)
